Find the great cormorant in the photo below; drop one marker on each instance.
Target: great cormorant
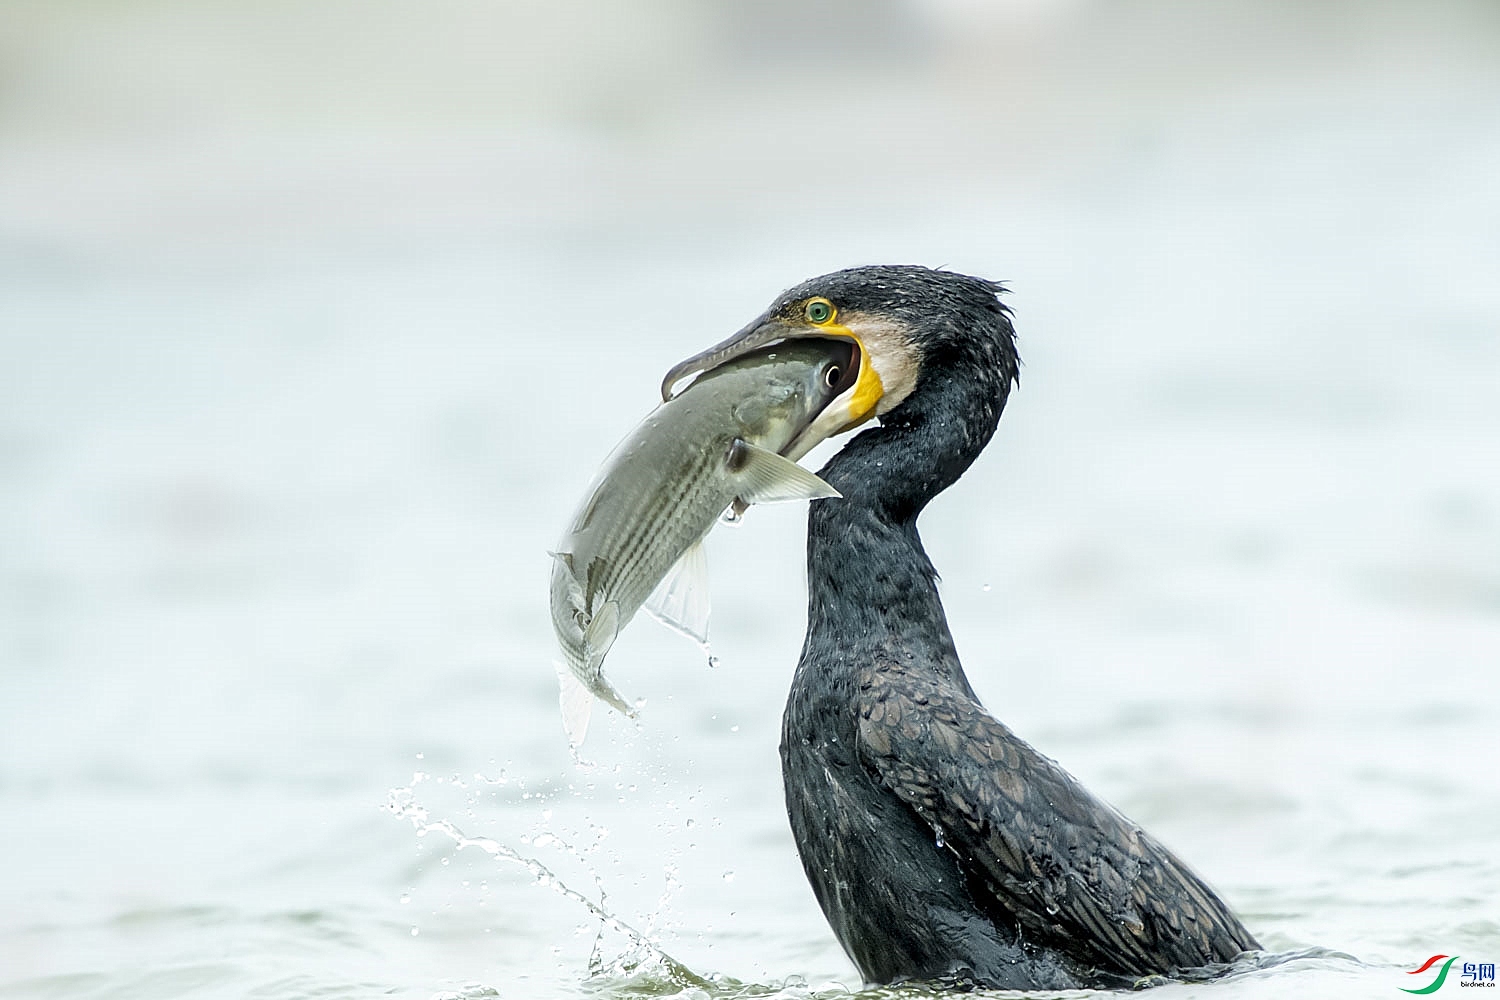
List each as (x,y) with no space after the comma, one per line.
(940,846)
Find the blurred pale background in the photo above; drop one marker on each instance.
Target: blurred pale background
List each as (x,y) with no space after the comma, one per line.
(316,317)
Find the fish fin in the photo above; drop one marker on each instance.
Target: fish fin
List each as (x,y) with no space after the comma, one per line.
(577,704)
(600,635)
(566,558)
(614,699)
(597,638)
(681,600)
(766,477)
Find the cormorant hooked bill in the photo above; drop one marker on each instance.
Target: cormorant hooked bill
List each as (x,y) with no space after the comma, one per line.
(940,846)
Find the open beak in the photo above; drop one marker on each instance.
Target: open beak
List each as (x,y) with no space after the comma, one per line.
(847,410)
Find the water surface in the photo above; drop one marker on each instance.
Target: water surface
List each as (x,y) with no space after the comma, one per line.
(312,336)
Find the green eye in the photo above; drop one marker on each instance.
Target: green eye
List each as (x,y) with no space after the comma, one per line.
(818,311)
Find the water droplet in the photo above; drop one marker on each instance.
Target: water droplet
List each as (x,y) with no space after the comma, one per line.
(420,756)
(729,876)
(734,729)
(985,588)
(415,931)
(405,900)
(713,661)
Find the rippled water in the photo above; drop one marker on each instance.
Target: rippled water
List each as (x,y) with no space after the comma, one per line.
(301,379)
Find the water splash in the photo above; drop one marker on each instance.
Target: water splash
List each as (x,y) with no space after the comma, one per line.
(667,985)
(643,951)
(468,991)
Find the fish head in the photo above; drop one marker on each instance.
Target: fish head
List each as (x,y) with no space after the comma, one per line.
(876,374)
(775,393)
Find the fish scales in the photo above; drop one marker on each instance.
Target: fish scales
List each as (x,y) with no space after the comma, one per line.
(685,493)
(631,575)
(689,489)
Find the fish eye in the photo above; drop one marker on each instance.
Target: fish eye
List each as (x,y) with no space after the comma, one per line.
(831,376)
(818,311)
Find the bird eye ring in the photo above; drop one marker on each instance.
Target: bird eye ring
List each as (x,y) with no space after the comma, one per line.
(818,311)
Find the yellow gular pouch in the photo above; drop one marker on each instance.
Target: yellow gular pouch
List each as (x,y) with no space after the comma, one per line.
(868,388)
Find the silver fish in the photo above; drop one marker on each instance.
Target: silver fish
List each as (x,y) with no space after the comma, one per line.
(638,534)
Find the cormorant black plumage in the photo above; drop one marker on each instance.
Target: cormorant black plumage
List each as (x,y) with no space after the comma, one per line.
(939,845)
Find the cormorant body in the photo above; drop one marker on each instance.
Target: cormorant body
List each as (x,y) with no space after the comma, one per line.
(939,845)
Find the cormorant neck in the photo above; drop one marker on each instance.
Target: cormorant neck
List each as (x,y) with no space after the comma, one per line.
(919,449)
(871,586)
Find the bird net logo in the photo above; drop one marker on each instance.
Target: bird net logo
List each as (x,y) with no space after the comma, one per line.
(1470,974)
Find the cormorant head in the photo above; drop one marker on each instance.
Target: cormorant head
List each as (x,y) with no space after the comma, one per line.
(916,329)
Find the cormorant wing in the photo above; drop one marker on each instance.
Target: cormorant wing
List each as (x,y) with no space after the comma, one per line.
(1041,853)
